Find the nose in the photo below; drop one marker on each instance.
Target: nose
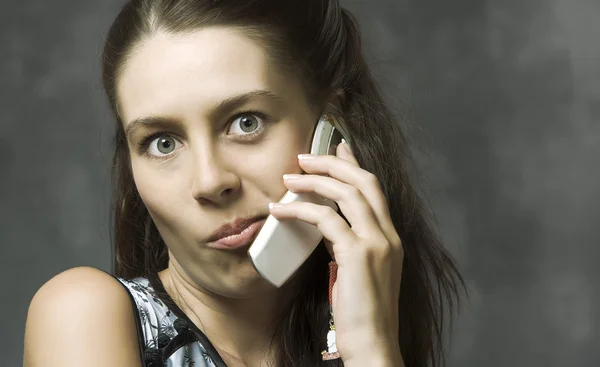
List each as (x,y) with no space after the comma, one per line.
(212,180)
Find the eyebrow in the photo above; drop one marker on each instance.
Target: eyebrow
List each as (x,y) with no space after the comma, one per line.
(220,109)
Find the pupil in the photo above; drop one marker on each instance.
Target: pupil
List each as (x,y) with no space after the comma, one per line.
(247,123)
(164,145)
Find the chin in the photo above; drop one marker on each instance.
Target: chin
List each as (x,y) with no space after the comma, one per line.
(244,283)
(233,278)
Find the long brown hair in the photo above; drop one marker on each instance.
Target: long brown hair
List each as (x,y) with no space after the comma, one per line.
(317,42)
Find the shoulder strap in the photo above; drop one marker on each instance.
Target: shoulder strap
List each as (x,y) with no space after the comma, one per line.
(165,335)
(209,349)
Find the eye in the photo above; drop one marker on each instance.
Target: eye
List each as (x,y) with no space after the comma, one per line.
(249,123)
(162,145)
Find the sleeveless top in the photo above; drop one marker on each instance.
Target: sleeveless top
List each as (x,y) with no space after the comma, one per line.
(166,336)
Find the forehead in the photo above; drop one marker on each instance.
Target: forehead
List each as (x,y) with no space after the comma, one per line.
(170,73)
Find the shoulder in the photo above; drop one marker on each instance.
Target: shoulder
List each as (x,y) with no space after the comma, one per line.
(80,283)
(91,288)
(79,315)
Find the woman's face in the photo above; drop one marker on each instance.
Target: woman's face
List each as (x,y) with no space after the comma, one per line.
(212,127)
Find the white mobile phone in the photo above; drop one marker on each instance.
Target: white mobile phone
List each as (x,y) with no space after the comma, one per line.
(281,247)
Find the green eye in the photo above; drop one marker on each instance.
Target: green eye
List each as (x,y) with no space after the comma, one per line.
(248,123)
(159,145)
(165,144)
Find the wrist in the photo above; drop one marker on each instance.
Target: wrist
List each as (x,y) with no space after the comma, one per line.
(376,354)
(376,360)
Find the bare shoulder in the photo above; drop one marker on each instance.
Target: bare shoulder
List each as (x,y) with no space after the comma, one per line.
(81,317)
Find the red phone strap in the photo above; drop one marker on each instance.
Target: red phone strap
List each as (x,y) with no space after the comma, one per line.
(331,352)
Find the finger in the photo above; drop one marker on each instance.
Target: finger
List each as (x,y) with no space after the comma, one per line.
(329,223)
(345,152)
(349,199)
(377,199)
(350,173)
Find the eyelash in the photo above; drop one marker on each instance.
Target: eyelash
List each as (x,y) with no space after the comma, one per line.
(145,142)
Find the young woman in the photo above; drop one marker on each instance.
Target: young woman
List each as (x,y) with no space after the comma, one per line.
(213,103)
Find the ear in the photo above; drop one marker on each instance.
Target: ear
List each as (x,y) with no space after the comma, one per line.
(336,100)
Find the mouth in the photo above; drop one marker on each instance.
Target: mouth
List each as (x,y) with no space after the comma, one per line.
(240,234)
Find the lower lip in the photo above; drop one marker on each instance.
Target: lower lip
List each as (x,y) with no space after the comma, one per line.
(238,240)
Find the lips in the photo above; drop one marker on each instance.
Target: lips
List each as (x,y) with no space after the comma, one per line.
(234,229)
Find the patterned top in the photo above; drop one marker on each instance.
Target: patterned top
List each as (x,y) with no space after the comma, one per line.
(166,339)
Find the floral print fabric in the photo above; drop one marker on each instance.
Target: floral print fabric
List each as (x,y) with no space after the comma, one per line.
(167,340)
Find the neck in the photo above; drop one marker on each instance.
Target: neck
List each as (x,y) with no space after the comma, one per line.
(240,329)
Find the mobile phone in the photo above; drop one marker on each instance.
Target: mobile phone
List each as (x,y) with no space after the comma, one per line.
(281,247)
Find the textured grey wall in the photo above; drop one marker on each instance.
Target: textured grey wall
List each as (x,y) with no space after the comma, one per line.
(507,99)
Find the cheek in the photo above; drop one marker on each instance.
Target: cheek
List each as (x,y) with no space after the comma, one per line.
(276,159)
(157,188)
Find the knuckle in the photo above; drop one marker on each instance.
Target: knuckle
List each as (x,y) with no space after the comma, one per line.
(371,178)
(388,249)
(385,251)
(363,250)
(351,192)
(396,242)
(377,248)
(327,212)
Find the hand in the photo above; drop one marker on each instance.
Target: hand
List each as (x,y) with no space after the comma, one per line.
(368,252)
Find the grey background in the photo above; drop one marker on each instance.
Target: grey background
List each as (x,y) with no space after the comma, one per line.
(507,99)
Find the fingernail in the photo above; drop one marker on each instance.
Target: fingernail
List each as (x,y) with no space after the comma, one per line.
(275,205)
(347,146)
(306,156)
(291,176)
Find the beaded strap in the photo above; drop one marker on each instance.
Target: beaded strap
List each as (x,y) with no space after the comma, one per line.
(331,352)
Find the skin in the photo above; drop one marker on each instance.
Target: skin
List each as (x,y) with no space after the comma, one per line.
(213,173)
